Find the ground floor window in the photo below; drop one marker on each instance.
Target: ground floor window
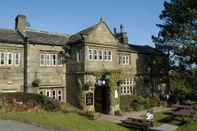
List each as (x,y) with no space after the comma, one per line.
(55,93)
(127,87)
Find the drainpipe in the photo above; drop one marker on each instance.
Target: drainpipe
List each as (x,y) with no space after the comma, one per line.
(25,64)
(25,59)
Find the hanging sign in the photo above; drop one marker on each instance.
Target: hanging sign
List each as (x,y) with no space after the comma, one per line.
(89,98)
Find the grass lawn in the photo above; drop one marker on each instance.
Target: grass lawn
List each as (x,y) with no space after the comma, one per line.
(188,127)
(62,121)
(163,117)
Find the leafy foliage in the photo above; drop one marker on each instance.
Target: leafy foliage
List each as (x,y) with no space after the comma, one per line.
(31,100)
(177,38)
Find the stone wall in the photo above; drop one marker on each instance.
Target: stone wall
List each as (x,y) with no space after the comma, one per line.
(11,77)
(49,76)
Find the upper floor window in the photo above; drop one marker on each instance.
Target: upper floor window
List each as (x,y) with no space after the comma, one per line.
(95,55)
(90,54)
(51,59)
(109,55)
(9,59)
(99,54)
(105,55)
(124,59)
(17,59)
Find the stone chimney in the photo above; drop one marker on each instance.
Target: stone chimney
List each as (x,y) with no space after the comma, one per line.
(122,36)
(20,23)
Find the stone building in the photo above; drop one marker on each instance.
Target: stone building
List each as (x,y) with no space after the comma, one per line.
(72,68)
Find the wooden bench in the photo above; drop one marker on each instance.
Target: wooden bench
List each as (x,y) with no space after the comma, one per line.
(137,123)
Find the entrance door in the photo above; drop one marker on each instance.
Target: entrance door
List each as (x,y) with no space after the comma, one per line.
(101,99)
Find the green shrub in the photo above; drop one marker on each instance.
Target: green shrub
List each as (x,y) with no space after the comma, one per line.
(136,103)
(125,103)
(30,100)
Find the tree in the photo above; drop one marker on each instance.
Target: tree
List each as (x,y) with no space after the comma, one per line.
(177,38)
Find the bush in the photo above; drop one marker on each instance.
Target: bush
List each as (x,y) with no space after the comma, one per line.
(28,100)
(125,102)
(136,103)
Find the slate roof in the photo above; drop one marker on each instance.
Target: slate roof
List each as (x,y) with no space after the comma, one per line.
(10,36)
(46,38)
(138,49)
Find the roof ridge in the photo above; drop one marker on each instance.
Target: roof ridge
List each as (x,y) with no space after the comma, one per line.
(48,33)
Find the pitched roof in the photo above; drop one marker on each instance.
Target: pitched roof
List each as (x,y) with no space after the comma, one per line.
(139,48)
(7,35)
(46,38)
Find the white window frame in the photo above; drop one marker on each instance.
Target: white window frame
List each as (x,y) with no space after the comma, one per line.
(105,57)
(17,60)
(42,59)
(53,59)
(109,55)
(95,54)
(59,95)
(124,59)
(100,55)
(60,60)
(9,59)
(54,96)
(90,54)
(48,91)
(127,87)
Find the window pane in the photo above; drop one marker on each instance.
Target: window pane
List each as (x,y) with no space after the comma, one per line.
(2,58)
(109,55)
(95,55)
(100,55)
(17,58)
(60,59)
(90,54)
(105,55)
(42,59)
(10,58)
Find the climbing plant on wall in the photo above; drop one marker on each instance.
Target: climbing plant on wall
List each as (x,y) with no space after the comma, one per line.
(112,79)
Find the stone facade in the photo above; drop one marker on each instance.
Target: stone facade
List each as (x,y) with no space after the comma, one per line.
(67,67)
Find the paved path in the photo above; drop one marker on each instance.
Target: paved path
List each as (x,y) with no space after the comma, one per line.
(133,114)
(8,125)
(166,127)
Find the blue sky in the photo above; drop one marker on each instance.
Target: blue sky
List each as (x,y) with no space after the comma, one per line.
(69,16)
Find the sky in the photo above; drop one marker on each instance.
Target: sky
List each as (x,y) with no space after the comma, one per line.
(139,17)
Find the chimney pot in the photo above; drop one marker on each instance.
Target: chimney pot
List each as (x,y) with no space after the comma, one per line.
(121,28)
(115,31)
(20,23)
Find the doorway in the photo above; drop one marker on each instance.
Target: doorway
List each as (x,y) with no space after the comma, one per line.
(102,99)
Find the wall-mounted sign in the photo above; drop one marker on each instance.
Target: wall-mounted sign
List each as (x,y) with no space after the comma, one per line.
(89,99)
